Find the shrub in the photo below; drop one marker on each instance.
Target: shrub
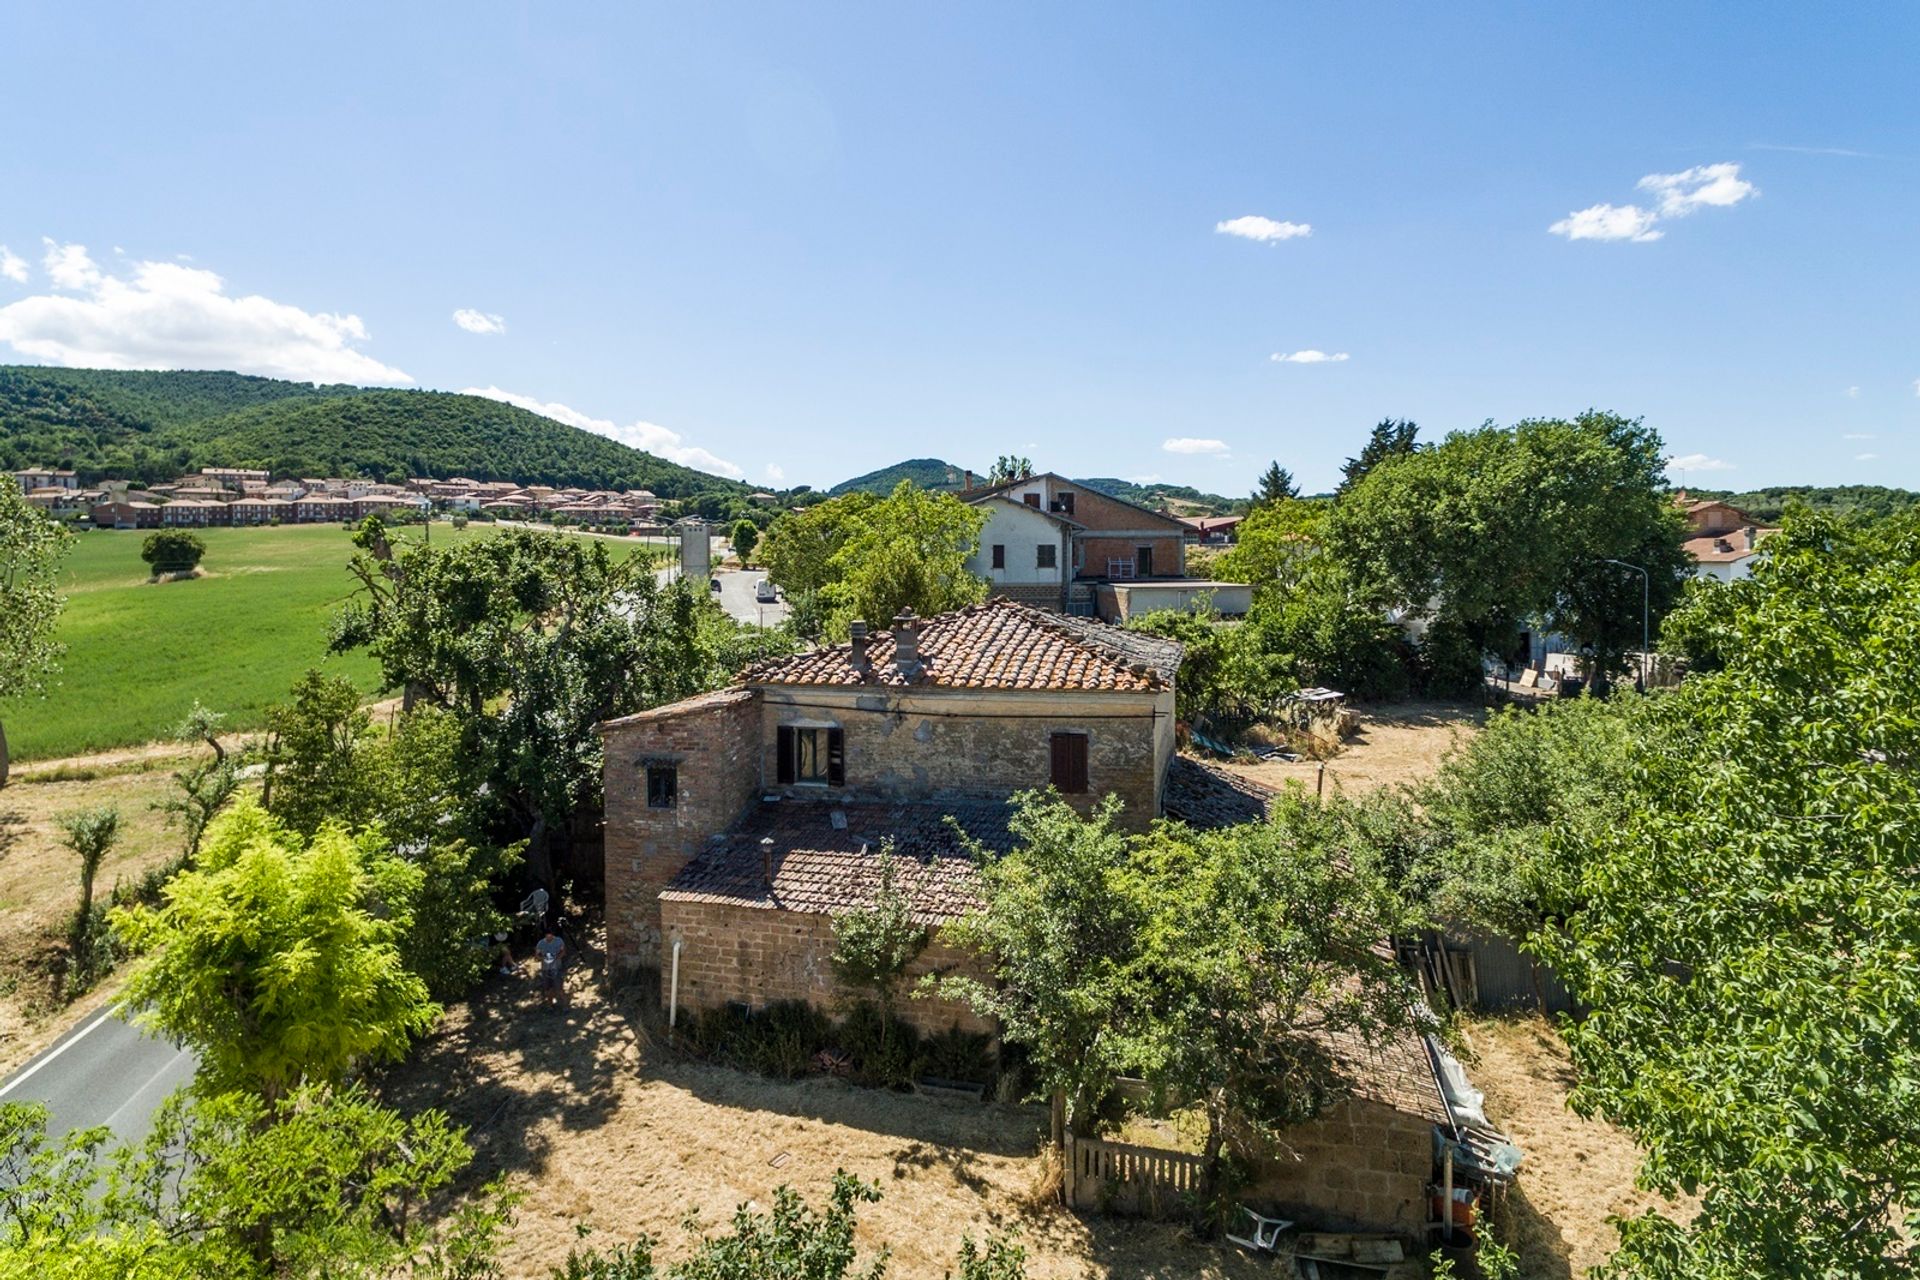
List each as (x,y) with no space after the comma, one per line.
(173,551)
(885,1051)
(954,1054)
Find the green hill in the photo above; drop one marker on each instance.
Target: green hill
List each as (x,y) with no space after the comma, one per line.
(927,473)
(1844,499)
(154,426)
(1182,499)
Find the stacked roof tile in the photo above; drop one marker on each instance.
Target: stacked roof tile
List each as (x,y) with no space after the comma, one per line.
(1001,644)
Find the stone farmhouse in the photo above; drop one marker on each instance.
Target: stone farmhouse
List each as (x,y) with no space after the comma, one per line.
(1722,539)
(1056,544)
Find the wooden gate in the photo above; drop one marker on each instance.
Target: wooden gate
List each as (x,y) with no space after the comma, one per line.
(1118,1177)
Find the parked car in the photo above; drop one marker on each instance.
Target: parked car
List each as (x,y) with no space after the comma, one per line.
(713,585)
(764,593)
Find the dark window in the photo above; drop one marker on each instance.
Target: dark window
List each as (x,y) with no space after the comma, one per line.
(1063,503)
(999,555)
(663,786)
(1070,763)
(812,756)
(1044,555)
(1143,567)
(1031,499)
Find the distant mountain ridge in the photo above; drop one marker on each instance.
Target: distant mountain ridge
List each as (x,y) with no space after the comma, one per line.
(944,477)
(153,426)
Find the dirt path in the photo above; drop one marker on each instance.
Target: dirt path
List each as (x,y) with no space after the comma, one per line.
(1396,744)
(1577,1171)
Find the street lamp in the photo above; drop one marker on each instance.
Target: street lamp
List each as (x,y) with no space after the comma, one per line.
(1646,591)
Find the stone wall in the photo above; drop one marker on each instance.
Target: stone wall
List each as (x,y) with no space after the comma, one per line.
(757,955)
(916,745)
(713,741)
(1359,1165)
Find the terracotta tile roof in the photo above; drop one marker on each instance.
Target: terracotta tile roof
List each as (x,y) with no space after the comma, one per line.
(821,868)
(1706,548)
(1396,1072)
(997,645)
(1202,796)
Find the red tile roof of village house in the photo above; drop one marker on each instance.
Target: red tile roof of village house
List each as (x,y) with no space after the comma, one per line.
(823,869)
(997,645)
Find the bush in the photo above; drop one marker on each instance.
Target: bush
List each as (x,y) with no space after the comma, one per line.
(953,1054)
(783,1039)
(173,551)
(885,1051)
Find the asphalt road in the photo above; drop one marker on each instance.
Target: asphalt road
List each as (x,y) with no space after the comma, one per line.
(736,597)
(104,1072)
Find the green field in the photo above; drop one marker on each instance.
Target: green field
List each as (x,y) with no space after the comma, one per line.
(140,654)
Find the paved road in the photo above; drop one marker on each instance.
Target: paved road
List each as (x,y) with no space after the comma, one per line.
(105,1072)
(736,597)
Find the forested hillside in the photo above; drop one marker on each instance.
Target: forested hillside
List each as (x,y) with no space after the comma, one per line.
(153,426)
(1183,499)
(926,473)
(1846,499)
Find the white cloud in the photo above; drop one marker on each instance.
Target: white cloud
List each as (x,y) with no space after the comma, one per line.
(1698,462)
(1188,444)
(1152,479)
(1716,186)
(1264,230)
(12,265)
(1865,457)
(167,316)
(1309,356)
(1916,386)
(1858,435)
(1813,151)
(479,321)
(1609,222)
(1851,393)
(776,473)
(650,436)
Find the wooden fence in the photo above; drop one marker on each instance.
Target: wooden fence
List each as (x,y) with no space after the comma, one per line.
(1118,1177)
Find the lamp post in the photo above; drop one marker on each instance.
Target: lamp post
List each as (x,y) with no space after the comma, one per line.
(1646,592)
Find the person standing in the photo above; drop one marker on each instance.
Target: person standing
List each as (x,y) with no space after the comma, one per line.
(551,953)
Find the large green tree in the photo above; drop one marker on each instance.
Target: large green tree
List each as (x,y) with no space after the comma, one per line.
(277,959)
(1749,934)
(799,550)
(1498,529)
(909,552)
(31,546)
(1276,485)
(318,1186)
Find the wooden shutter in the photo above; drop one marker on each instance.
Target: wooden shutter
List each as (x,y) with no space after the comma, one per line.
(786,753)
(1069,752)
(836,758)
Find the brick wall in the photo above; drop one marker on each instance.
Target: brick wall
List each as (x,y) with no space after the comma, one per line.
(1039,595)
(713,741)
(758,955)
(1168,554)
(1359,1165)
(918,745)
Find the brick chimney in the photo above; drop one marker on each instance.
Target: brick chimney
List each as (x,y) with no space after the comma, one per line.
(906,644)
(766,862)
(967,486)
(857,635)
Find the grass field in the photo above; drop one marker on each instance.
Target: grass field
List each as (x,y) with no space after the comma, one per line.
(140,654)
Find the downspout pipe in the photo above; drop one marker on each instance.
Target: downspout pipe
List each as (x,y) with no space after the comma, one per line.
(673,988)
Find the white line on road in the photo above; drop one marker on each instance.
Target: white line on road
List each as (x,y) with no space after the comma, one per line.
(29,1073)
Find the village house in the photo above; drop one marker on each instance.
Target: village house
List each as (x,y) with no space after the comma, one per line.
(1051,542)
(740,822)
(235,478)
(1722,539)
(44,478)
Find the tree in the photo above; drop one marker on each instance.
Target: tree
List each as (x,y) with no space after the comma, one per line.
(1276,485)
(1252,977)
(31,545)
(89,835)
(1390,438)
(1061,937)
(800,549)
(746,534)
(909,552)
(874,944)
(1008,467)
(1748,926)
(173,551)
(313,755)
(205,786)
(1224,670)
(277,960)
(1495,530)
(318,1185)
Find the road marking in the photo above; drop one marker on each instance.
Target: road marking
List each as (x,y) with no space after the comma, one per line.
(29,1073)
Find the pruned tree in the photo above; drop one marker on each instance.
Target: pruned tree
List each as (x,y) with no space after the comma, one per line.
(203,787)
(874,944)
(31,546)
(89,835)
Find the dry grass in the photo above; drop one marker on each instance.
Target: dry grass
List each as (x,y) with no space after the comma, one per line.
(1396,744)
(1577,1171)
(39,879)
(599,1124)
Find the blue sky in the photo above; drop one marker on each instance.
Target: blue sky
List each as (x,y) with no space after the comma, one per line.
(800,241)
